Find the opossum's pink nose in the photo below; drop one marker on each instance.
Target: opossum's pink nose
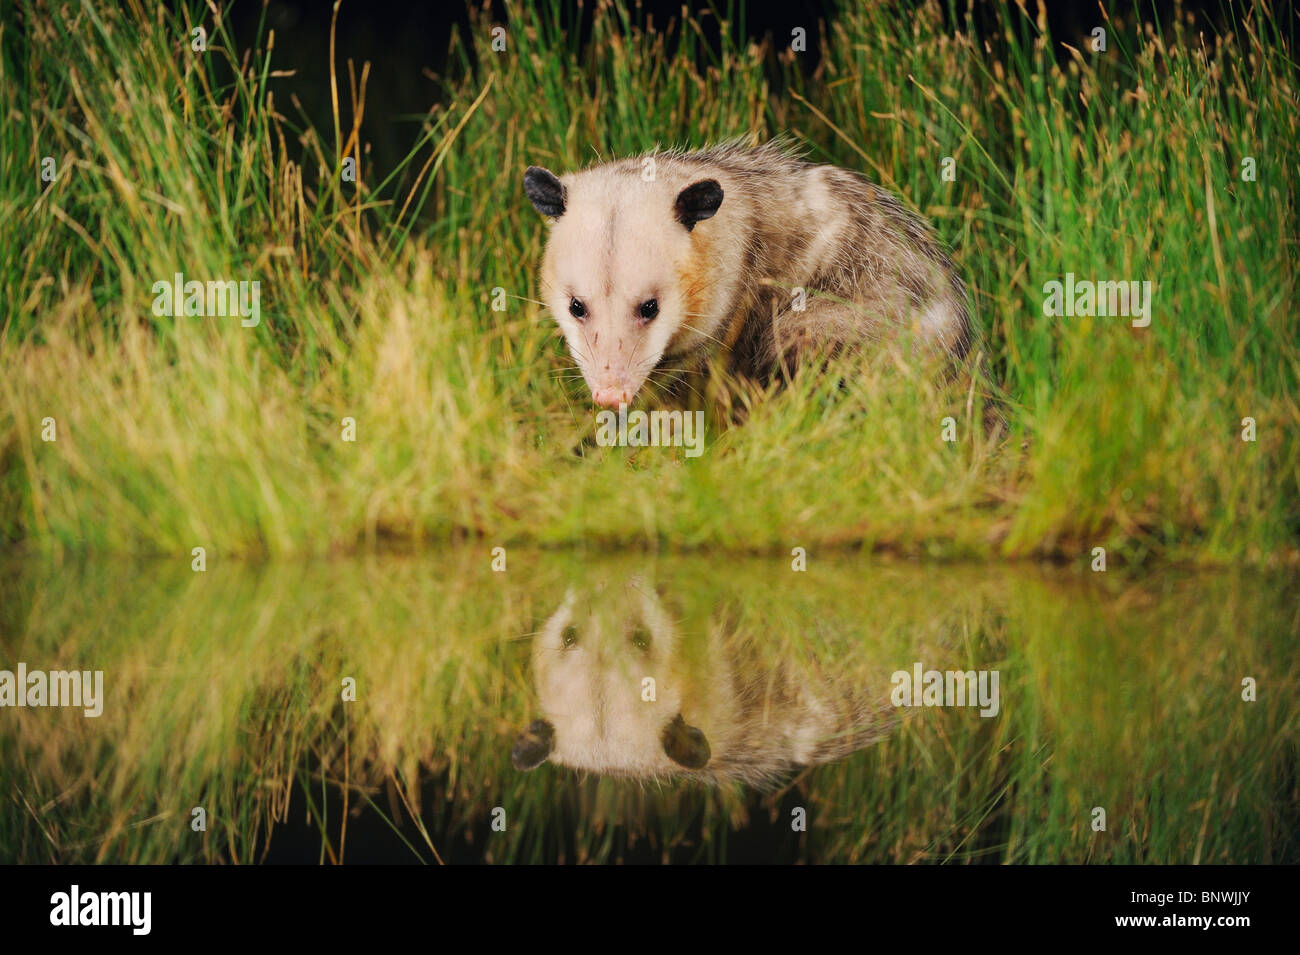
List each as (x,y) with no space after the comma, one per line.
(610,397)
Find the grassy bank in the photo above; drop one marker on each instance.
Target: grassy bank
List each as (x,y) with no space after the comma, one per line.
(376,297)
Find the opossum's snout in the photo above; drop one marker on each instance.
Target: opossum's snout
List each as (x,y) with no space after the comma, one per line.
(611,397)
(614,383)
(616,356)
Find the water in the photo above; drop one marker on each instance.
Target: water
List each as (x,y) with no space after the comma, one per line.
(637,708)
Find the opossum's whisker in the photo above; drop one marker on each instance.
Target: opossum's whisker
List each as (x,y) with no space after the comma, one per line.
(675,377)
(632,359)
(589,357)
(579,353)
(571,370)
(702,333)
(664,385)
(691,388)
(680,370)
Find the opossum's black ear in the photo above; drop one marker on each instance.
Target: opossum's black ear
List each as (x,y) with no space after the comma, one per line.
(685,745)
(698,201)
(544,191)
(533,745)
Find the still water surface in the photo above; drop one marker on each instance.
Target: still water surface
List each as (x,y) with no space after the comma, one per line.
(596,708)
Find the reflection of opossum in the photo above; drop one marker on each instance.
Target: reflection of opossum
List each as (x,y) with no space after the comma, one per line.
(622,693)
(647,264)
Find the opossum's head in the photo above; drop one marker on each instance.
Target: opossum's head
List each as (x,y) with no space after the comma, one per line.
(621,274)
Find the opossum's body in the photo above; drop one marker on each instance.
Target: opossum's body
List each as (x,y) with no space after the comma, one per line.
(665,259)
(621,694)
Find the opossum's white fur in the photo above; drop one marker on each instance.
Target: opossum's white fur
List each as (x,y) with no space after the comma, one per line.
(724,275)
(716,711)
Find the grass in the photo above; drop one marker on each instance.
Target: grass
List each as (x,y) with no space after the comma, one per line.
(174,433)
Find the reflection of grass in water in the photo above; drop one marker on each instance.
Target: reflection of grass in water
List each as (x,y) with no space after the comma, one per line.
(222,691)
(1131,703)
(181,431)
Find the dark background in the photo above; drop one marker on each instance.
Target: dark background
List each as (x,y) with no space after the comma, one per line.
(407,43)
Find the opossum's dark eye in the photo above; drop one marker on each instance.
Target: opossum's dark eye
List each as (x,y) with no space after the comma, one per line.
(641,638)
(570,636)
(649,308)
(577,309)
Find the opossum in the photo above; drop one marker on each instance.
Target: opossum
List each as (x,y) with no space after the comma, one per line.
(666,260)
(622,694)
